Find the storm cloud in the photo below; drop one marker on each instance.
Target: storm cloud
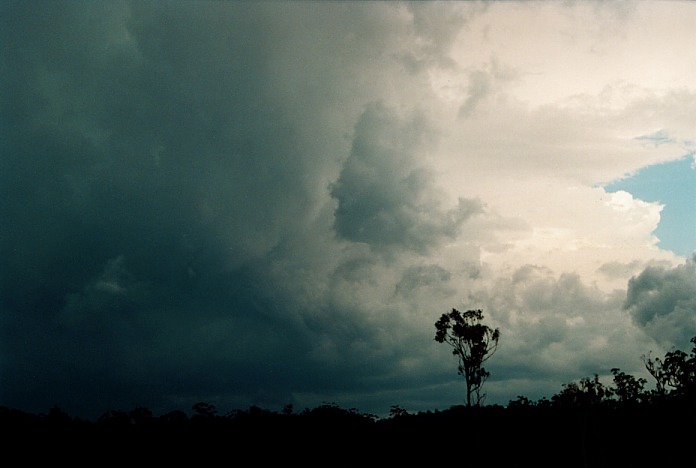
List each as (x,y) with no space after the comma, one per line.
(663,301)
(385,198)
(271,202)
(167,179)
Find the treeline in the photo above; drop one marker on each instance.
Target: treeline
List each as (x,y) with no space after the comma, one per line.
(587,423)
(675,384)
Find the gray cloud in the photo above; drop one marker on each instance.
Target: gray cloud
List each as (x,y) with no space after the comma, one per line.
(385,197)
(619,269)
(479,88)
(483,83)
(663,301)
(432,278)
(207,202)
(150,173)
(172,236)
(556,328)
(436,26)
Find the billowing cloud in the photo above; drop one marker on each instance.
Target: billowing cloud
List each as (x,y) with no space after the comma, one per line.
(265,203)
(385,198)
(663,301)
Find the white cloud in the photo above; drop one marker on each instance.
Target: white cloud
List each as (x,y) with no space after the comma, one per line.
(545,104)
(579,48)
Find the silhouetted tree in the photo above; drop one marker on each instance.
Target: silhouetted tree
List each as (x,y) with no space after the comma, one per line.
(288,409)
(114,418)
(397,411)
(140,415)
(626,387)
(677,370)
(57,415)
(587,392)
(654,367)
(174,417)
(473,343)
(520,402)
(689,380)
(205,410)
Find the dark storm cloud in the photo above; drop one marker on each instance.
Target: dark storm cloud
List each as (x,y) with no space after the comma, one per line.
(165,170)
(663,301)
(147,170)
(433,278)
(385,197)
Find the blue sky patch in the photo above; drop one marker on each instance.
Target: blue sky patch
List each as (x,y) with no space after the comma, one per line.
(674,185)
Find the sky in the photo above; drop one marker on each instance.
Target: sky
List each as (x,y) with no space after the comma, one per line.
(272,203)
(673,185)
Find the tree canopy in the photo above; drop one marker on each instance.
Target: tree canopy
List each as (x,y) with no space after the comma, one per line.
(473,343)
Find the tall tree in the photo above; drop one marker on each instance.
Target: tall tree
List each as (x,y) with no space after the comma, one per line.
(473,343)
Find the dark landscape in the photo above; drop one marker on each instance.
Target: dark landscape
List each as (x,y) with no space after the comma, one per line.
(586,424)
(520,434)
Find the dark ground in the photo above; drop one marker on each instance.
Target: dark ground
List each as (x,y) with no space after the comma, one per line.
(657,435)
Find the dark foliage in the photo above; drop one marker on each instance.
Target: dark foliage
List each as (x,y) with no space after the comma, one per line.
(524,433)
(587,424)
(472,343)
